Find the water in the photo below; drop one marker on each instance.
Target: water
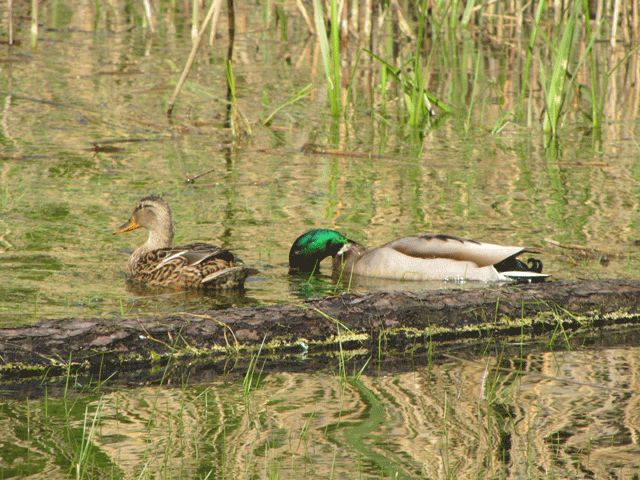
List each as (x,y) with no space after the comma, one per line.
(562,414)
(93,79)
(60,200)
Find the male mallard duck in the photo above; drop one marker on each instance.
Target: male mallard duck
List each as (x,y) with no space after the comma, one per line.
(196,265)
(420,257)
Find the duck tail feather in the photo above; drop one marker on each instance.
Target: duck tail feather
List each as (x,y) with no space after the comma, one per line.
(513,264)
(233,277)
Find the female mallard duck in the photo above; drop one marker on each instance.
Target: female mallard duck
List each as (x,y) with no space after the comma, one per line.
(196,265)
(420,257)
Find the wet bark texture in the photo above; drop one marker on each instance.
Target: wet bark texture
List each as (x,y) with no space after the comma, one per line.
(398,321)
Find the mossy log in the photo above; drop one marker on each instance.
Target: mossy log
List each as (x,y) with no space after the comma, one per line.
(396,321)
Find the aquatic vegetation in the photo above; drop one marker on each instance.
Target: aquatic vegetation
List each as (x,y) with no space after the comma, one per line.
(251,379)
(330,50)
(399,117)
(296,97)
(378,419)
(556,84)
(240,127)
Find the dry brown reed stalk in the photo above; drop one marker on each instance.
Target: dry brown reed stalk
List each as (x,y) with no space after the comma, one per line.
(503,18)
(366,28)
(614,23)
(305,15)
(344,25)
(231,29)
(34,21)
(214,26)
(636,19)
(195,16)
(402,22)
(148,12)
(355,16)
(215,6)
(10,20)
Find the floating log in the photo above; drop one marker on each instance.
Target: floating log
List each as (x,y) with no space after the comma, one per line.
(397,322)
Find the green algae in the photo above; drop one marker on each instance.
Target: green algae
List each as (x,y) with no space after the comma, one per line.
(398,341)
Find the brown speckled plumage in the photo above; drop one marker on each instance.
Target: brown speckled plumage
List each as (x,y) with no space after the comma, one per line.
(196,265)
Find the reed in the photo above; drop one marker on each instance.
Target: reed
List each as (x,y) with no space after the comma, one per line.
(418,102)
(524,82)
(559,331)
(195,18)
(422,47)
(83,460)
(556,84)
(595,97)
(10,21)
(214,12)
(34,22)
(418,105)
(330,52)
(474,92)
(240,127)
(282,20)
(148,16)
(252,377)
(295,98)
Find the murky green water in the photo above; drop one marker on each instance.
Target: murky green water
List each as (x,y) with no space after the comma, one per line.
(545,415)
(100,77)
(86,84)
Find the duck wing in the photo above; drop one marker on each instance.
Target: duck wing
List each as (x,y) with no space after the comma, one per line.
(196,265)
(455,248)
(192,254)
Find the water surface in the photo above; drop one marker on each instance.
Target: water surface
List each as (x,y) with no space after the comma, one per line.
(84,136)
(89,83)
(561,414)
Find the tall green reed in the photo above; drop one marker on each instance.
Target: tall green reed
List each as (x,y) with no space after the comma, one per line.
(83,460)
(411,77)
(330,52)
(556,86)
(593,68)
(419,110)
(252,377)
(239,124)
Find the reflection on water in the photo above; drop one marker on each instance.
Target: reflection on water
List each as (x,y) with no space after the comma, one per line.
(84,136)
(572,414)
(164,299)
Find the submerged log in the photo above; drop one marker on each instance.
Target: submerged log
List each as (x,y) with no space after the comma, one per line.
(393,321)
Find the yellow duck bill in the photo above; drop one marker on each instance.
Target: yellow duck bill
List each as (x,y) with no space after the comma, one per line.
(131,224)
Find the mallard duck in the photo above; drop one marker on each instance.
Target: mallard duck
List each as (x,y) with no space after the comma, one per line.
(419,257)
(196,265)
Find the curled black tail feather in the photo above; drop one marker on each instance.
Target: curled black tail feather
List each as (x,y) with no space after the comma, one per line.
(512,264)
(534,265)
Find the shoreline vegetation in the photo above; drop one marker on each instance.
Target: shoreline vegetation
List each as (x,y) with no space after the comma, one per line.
(513,121)
(475,67)
(414,63)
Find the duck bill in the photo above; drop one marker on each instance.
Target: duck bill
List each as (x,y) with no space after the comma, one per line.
(128,226)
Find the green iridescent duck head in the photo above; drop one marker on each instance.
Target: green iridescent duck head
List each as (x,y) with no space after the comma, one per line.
(312,247)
